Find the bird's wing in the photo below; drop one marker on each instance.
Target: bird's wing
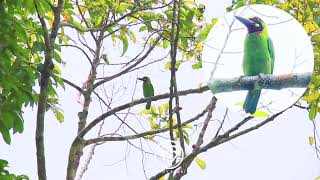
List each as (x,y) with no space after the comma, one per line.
(152,90)
(271,53)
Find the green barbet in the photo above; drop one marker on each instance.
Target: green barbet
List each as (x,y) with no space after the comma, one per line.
(258,57)
(147,89)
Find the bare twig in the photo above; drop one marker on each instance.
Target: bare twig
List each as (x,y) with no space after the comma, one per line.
(128,68)
(221,124)
(73,85)
(77,47)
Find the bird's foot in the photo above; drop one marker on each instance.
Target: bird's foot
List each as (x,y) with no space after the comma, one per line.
(261,80)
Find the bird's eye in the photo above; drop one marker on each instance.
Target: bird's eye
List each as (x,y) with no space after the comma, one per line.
(257,25)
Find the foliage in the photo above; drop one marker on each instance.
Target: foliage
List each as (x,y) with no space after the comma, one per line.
(158,118)
(201,163)
(22,54)
(17,75)
(6,175)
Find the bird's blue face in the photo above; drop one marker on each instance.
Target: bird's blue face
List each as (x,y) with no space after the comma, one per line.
(253,24)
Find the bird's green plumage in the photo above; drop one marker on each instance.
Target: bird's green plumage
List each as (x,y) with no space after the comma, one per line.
(148,90)
(258,59)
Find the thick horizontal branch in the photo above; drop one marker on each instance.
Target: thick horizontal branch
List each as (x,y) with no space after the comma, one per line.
(265,81)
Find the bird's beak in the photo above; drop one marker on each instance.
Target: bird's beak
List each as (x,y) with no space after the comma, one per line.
(141,79)
(247,22)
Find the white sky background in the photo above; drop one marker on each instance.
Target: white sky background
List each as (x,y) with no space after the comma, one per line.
(279,150)
(293,54)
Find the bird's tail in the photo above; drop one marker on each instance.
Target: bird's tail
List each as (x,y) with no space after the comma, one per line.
(148,105)
(251,101)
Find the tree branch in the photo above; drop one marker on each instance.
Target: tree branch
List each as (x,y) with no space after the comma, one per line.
(147,133)
(128,68)
(265,81)
(73,85)
(217,141)
(134,103)
(106,26)
(48,66)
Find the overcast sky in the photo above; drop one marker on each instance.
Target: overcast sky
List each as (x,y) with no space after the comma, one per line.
(279,150)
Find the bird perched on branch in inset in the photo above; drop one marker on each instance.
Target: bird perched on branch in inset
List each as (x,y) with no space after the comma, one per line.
(258,57)
(147,90)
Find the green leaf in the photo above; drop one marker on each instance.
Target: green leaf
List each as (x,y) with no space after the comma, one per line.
(160,110)
(153,110)
(189,17)
(240,104)
(143,28)
(260,113)
(165,44)
(311,140)
(205,32)
(6,135)
(38,46)
(314,95)
(22,177)
(131,35)
(198,65)
(58,114)
(168,64)
(144,111)
(57,57)
(166,107)
(188,126)
(125,44)
(313,112)
(187,140)
(7,119)
(200,162)
(18,125)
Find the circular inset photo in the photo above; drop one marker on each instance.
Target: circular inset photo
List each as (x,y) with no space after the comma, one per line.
(258,60)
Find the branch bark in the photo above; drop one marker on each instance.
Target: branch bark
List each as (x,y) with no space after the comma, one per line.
(49,39)
(174,37)
(276,82)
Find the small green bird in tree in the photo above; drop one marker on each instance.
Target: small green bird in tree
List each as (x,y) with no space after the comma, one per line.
(258,57)
(147,90)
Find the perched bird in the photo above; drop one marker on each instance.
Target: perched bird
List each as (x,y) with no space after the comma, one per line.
(147,90)
(258,57)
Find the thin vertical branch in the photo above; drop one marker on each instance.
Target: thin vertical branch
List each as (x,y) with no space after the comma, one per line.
(220,127)
(49,39)
(77,145)
(173,83)
(183,169)
(172,78)
(206,121)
